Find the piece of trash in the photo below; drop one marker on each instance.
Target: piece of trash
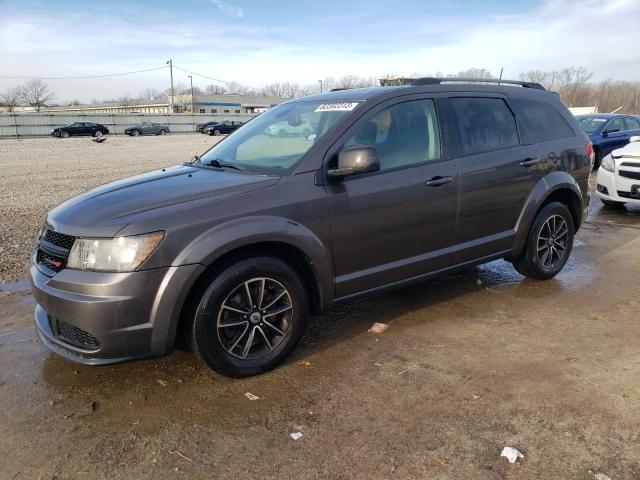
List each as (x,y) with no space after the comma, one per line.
(181,455)
(296,435)
(251,396)
(305,363)
(407,369)
(511,454)
(164,383)
(479,282)
(476,397)
(378,364)
(378,328)
(601,476)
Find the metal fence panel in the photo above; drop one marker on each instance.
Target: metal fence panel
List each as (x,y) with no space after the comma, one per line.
(38,124)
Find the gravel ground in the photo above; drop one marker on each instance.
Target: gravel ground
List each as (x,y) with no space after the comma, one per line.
(40,173)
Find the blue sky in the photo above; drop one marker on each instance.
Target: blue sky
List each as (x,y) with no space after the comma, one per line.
(258,42)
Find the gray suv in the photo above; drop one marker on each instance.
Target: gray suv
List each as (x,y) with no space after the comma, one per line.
(235,249)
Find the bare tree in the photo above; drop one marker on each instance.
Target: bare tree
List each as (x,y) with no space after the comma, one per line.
(151,95)
(126,101)
(11,98)
(535,76)
(212,89)
(36,94)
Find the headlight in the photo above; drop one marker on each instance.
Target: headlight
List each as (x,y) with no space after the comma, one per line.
(120,254)
(608,164)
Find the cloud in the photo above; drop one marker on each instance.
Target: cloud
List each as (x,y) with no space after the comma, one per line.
(227,8)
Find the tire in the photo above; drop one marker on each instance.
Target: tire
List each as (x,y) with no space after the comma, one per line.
(64,134)
(97,133)
(533,262)
(597,159)
(215,133)
(162,132)
(611,203)
(135,133)
(231,336)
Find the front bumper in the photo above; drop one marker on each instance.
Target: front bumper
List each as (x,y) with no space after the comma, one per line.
(101,318)
(610,186)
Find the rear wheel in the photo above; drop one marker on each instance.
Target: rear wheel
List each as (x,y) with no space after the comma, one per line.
(549,243)
(249,317)
(162,132)
(97,133)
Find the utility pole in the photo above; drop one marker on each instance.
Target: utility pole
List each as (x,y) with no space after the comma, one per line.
(170,63)
(320,82)
(191,80)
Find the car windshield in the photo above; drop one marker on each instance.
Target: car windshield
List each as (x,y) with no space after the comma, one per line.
(274,142)
(592,124)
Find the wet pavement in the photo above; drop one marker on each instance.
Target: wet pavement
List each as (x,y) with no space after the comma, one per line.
(470,363)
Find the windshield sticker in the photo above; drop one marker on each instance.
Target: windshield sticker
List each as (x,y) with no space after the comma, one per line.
(337,107)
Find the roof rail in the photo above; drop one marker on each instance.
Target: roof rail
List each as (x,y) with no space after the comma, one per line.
(339,89)
(438,81)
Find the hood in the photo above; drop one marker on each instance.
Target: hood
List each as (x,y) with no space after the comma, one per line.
(631,149)
(104,211)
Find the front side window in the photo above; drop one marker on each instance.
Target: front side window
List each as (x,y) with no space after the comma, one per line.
(403,135)
(484,124)
(617,124)
(540,121)
(256,149)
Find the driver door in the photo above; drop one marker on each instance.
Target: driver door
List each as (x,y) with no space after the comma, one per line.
(396,223)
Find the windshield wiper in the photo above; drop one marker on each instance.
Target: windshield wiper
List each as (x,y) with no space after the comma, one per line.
(222,164)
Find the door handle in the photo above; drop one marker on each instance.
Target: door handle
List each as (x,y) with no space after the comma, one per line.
(528,162)
(437,181)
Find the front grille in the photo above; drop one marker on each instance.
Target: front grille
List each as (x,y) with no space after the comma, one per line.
(635,196)
(630,164)
(74,336)
(629,174)
(53,249)
(59,239)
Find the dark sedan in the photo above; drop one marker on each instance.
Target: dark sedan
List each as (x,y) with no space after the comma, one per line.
(201,126)
(147,128)
(80,129)
(223,128)
(608,132)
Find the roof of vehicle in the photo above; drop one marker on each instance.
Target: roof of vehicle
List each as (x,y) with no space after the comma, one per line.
(600,115)
(364,94)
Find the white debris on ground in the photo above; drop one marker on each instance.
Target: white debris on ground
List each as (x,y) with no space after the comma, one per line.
(378,328)
(251,396)
(511,454)
(601,476)
(296,435)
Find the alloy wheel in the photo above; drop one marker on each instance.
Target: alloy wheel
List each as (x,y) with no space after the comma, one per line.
(255,318)
(552,241)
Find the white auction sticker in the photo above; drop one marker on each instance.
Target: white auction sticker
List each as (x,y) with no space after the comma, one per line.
(336,107)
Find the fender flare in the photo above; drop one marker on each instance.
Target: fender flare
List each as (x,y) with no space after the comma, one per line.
(226,237)
(545,188)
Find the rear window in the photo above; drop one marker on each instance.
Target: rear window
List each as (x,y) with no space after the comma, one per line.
(540,121)
(484,124)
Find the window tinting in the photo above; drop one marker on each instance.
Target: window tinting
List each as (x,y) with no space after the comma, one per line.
(484,124)
(404,134)
(540,121)
(632,123)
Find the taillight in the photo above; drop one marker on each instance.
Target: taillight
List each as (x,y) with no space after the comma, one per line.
(588,148)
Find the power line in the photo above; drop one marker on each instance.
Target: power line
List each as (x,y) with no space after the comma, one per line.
(20,77)
(214,79)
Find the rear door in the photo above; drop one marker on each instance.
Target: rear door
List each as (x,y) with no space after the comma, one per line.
(614,136)
(497,172)
(396,223)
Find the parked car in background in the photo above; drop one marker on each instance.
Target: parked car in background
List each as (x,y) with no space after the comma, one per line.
(283,129)
(234,250)
(619,175)
(80,129)
(147,128)
(608,132)
(201,126)
(223,128)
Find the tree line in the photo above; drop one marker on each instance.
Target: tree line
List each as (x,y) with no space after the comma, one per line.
(572,84)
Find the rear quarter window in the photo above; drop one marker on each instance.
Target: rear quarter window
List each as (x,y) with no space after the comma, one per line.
(540,121)
(483,124)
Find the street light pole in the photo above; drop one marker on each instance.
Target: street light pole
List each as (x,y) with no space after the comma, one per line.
(191,79)
(170,63)
(320,82)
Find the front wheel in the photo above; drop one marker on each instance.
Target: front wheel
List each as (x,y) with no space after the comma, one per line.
(549,243)
(249,317)
(64,134)
(215,133)
(97,134)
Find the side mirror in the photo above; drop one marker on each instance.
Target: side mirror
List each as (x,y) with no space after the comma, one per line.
(610,130)
(355,159)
